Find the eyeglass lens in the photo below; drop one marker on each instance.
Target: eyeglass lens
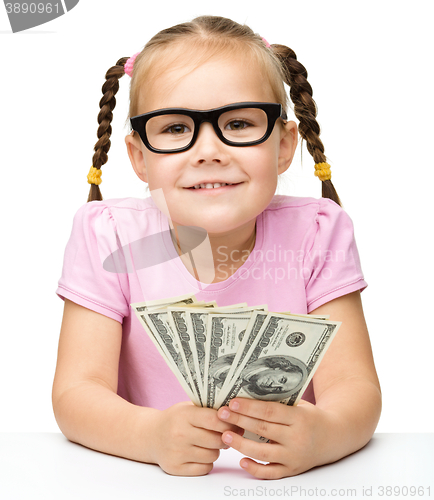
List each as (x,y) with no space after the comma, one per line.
(173,131)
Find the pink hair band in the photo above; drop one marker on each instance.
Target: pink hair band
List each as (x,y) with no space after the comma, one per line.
(266,43)
(128,66)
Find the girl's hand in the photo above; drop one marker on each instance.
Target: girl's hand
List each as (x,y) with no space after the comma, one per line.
(347,409)
(188,439)
(296,433)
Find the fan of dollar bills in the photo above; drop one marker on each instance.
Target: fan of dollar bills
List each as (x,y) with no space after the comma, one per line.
(218,353)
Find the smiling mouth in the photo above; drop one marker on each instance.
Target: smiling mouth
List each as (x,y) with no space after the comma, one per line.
(213,185)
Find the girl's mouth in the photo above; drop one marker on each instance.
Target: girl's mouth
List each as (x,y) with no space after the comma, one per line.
(213,185)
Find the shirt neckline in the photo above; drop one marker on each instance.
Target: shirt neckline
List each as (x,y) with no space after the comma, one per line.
(212,287)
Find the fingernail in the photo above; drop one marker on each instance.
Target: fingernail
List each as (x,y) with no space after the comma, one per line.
(244,464)
(234,405)
(224,414)
(227,439)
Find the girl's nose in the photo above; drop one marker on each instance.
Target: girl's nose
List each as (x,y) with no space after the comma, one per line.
(208,147)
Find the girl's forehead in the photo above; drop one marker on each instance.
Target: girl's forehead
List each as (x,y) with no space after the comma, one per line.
(212,83)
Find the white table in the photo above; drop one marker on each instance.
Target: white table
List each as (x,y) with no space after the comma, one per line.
(46,466)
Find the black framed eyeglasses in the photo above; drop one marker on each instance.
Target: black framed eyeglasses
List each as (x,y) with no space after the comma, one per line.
(173,130)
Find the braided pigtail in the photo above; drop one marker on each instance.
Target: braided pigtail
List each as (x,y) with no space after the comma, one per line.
(105,116)
(305,110)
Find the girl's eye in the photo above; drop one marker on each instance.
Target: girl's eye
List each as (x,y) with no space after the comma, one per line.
(237,125)
(177,129)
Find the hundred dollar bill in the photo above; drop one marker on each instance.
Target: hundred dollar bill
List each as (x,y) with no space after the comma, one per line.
(225,334)
(282,359)
(197,320)
(166,336)
(178,319)
(154,318)
(194,337)
(187,300)
(256,321)
(198,323)
(141,307)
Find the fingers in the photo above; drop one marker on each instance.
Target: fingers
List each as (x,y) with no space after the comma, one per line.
(203,455)
(190,439)
(263,410)
(289,430)
(261,471)
(188,469)
(192,469)
(265,452)
(207,418)
(212,440)
(189,461)
(264,419)
(257,425)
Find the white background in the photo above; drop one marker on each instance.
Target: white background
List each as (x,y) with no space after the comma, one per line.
(370,66)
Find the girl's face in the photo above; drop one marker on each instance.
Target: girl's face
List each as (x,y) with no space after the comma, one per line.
(251,170)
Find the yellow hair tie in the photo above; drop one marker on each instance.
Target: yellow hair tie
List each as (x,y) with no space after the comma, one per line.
(94,176)
(322,171)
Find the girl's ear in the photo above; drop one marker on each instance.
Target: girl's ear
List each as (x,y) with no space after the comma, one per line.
(134,148)
(288,145)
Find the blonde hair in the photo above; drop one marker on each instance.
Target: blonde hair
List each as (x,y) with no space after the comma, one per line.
(204,38)
(208,37)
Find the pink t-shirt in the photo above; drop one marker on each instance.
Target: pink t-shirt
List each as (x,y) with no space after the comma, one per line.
(304,256)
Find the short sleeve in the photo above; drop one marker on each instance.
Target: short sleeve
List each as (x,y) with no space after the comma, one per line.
(333,258)
(84,279)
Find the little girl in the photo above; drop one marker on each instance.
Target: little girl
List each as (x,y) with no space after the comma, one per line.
(210,138)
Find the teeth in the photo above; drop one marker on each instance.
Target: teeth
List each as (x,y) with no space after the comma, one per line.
(210,185)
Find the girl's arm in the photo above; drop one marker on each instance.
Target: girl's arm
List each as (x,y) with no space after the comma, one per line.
(88,410)
(348,405)
(346,382)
